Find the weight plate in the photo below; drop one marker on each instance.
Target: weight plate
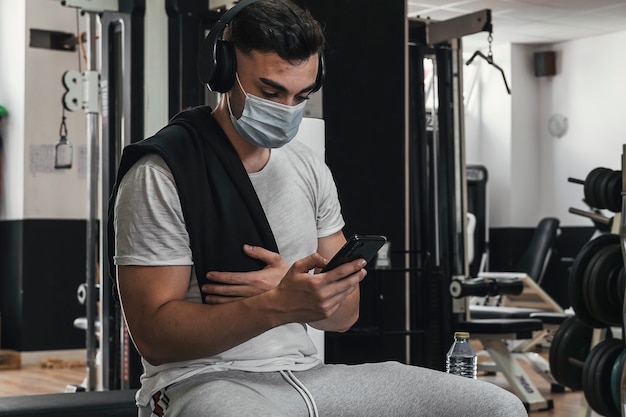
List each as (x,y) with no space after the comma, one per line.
(554,356)
(603,382)
(612,288)
(569,349)
(575,288)
(616,378)
(588,281)
(597,376)
(614,192)
(621,285)
(602,188)
(590,187)
(597,275)
(588,381)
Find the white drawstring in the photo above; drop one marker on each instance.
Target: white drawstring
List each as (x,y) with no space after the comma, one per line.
(306,395)
(301,385)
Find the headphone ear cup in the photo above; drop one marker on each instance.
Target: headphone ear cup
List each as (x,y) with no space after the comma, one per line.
(225,67)
(321,73)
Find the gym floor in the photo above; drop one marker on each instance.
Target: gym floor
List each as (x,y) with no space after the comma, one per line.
(34,379)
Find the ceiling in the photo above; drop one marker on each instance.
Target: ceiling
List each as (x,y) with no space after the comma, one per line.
(531,21)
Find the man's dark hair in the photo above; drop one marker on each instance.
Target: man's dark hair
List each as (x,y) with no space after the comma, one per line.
(278,26)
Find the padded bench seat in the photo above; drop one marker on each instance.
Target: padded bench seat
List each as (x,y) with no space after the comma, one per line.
(77,404)
(521,328)
(550,318)
(502,312)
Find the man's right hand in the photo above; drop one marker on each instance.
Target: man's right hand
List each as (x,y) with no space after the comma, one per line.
(308,298)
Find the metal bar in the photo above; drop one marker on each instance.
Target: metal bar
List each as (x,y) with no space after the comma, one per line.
(460,267)
(92,207)
(591,215)
(622,234)
(457,27)
(93,5)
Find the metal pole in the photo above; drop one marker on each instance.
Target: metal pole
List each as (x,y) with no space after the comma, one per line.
(622,234)
(92,199)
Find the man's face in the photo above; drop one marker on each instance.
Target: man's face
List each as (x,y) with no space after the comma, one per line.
(268,76)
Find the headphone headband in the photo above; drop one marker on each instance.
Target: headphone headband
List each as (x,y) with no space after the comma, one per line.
(217,62)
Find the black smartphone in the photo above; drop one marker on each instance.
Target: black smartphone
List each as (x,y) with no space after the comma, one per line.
(358,246)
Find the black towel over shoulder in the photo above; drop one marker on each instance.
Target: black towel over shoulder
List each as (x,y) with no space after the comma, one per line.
(220,206)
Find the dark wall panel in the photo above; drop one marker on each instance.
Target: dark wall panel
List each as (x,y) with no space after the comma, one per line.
(364,110)
(11,250)
(43,263)
(364,145)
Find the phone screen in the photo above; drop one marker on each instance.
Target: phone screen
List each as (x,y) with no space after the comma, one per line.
(358,246)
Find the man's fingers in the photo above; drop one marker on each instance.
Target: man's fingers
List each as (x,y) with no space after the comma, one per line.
(346,269)
(304,265)
(262,254)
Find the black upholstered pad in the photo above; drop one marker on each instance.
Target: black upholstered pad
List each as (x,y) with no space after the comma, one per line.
(523,328)
(79,404)
(550,318)
(496,312)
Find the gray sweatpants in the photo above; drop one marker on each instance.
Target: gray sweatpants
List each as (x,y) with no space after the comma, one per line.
(384,389)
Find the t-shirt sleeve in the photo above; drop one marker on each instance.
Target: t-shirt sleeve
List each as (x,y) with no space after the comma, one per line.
(149,225)
(329,218)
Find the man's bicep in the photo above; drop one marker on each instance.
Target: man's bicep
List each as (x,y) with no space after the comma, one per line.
(149,224)
(144,289)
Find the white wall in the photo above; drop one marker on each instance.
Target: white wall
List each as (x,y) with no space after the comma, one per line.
(156,77)
(12,82)
(31,89)
(488,128)
(51,193)
(589,89)
(528,169)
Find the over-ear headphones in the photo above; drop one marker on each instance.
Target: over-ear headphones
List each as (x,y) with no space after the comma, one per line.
(217,61)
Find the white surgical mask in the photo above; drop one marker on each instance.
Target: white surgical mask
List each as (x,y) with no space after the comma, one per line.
(266,123)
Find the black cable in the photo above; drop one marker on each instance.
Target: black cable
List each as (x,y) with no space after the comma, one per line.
(78,41)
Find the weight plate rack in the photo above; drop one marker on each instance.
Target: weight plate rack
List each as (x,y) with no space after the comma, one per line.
(584,354)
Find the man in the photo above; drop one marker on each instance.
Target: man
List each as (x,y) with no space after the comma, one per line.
(220,220)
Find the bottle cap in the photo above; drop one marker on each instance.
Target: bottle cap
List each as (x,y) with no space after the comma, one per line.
(461,335)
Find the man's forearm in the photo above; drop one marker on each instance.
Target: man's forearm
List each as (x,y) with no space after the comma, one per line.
(343,318)
(183,330)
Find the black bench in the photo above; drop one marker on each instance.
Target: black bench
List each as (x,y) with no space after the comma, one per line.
(79,404)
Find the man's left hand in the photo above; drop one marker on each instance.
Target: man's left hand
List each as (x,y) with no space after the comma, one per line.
(232,286)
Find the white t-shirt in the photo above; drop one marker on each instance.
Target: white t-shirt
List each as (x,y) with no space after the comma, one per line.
(299,197)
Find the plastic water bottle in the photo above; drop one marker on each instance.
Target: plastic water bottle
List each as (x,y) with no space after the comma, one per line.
(461,359)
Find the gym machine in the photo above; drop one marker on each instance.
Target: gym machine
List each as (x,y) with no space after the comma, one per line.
(492,333)
(112,94)
(84,93)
